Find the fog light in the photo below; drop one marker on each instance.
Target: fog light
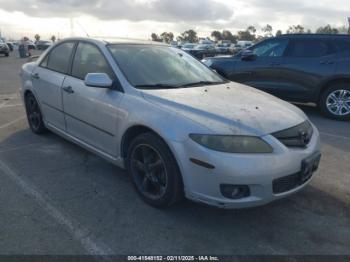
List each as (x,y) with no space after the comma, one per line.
(235,191)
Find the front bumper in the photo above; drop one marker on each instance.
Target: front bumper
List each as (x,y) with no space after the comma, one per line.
(255,170)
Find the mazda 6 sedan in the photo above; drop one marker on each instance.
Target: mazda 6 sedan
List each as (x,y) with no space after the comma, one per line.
(178,128)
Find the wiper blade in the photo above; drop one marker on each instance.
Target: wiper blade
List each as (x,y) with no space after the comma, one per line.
(169,86)
(155,86)
(203,83)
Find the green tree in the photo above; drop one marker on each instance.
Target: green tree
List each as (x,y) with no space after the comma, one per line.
(279,32)
(227,35)
(155,37)
(53,38)
(248,34)
(328,29)
(251,29)
(245,36)
(216,35)
(296,29)
(37,37)
(167,37)
(188,36)
(267,30)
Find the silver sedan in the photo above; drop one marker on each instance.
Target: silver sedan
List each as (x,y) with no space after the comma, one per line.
(178,128)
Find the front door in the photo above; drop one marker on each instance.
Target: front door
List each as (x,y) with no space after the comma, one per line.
(91,113)
(262,72)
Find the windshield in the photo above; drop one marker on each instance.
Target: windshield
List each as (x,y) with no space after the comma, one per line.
(150,66)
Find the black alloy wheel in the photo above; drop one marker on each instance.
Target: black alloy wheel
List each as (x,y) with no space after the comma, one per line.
(154,171)
(34,115)
(149,169)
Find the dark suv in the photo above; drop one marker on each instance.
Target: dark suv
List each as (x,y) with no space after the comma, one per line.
(298,68)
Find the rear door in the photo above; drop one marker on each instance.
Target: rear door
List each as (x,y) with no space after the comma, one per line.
(262,72)
(47,80)
(343,56)
(308,62)
(91,113)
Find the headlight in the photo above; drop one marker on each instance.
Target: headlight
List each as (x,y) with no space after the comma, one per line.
(233,144)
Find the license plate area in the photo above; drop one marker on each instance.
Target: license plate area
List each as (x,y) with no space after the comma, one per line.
(309,166)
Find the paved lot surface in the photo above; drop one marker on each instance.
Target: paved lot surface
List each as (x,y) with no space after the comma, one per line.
(56,198)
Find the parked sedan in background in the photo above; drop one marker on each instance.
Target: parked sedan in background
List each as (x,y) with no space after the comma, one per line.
(4,49)
(222,49)
(43,45)
(179,128)
(31,45)
(10,45)
(297,68)
(240,46)
(188,47)
(203,50)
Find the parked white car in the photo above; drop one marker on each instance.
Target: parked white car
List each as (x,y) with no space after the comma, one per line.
(176,126)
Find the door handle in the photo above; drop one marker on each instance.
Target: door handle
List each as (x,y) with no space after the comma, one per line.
(35,76)
(275,63)
(68,89)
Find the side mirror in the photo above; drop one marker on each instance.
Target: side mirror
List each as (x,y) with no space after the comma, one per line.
(101,80)
(248,55)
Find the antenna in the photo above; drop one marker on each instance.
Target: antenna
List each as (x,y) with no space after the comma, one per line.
(71,27)
(82,28)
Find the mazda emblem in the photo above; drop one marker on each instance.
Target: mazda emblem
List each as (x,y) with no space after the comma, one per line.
(304,138)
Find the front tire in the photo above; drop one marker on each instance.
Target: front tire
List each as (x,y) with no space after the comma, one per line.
(34,116)
(335,101)
(154,171)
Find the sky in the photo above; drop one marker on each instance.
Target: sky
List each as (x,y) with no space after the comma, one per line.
(139,18)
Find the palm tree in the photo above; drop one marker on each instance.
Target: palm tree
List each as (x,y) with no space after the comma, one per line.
(37,37)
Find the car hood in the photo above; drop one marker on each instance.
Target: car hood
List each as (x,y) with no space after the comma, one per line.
(230,108)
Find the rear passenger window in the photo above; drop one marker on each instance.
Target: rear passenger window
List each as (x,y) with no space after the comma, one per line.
(89,59)
(309,48)
(58,58)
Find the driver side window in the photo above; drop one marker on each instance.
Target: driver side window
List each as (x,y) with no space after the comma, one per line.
(89,59)
(272,48)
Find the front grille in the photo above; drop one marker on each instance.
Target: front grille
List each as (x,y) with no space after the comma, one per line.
(287,183)
(297,136)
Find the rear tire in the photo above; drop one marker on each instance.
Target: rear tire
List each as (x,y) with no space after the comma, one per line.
(154,171)
(34,116)
(335,101)
(7,54)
